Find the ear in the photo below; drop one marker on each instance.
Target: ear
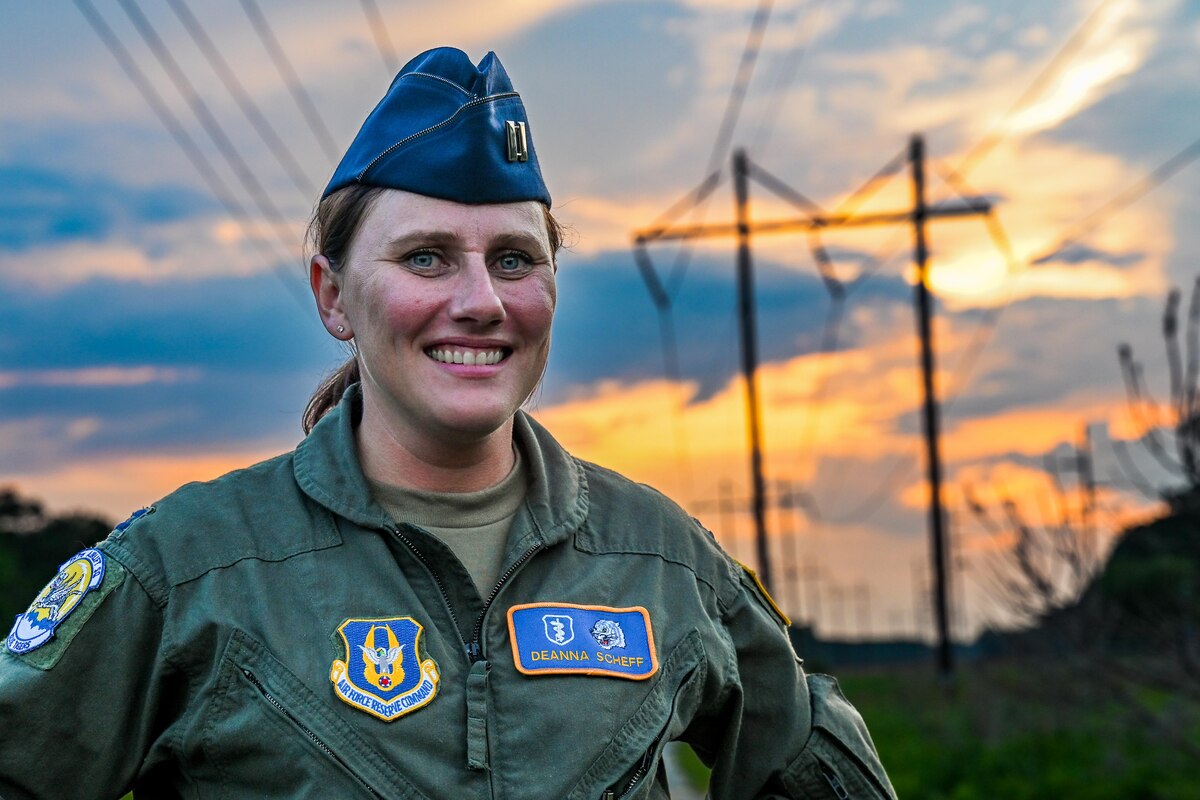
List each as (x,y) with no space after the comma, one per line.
(327,290)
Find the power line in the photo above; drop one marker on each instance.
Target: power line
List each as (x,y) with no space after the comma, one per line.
(660,293)
(1045,78)
(257,119)
(209,122)
(1123,200)
(957,176)
(299,94)
(383,42)
(741,83)
(783,83)
(185,142)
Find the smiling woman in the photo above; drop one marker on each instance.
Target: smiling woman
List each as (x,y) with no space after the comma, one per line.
(428,597)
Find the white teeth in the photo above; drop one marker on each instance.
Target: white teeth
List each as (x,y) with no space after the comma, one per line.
(468,358)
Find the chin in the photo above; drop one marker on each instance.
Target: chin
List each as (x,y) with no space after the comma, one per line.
(475,423)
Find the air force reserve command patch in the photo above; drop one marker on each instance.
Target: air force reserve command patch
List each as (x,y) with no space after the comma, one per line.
(72,595)
(383,673)
(568,639)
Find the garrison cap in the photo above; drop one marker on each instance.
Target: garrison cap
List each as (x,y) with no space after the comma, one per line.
(448,129)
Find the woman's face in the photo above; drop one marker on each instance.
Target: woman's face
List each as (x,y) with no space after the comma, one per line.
(450,306)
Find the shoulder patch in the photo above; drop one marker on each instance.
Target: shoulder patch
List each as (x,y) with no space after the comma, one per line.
(134,517)
(74,593)
(765,595)
(384,674)
(569,639)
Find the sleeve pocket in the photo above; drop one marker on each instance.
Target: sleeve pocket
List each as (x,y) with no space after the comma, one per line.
(839,760)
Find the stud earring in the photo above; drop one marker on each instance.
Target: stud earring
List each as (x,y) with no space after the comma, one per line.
(341,329)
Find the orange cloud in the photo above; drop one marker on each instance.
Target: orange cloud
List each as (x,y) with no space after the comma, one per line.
(115,487)
(96,376)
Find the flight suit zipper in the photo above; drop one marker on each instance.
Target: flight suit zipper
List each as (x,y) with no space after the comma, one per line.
(475,647)
(416,551)
(835,783)
(634,779)
(472,648)
(316,740)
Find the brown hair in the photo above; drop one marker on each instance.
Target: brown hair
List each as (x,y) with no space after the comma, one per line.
(331,231)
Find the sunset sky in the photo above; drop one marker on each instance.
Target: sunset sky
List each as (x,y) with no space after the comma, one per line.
(152,337)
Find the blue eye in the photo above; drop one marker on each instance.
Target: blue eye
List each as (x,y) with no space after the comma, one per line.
(422,260)
(511,262)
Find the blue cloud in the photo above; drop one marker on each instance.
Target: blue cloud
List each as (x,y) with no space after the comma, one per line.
(41,206)
(589,71)
(248,355)
(231,322)
(607,328)
(1082,254)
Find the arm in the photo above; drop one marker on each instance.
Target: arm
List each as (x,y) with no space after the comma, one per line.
(78,709)
(776,732)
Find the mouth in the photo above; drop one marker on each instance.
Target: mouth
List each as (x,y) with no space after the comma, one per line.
(469,356)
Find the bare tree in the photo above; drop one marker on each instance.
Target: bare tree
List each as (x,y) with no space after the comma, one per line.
(1042,567)
(1171,428)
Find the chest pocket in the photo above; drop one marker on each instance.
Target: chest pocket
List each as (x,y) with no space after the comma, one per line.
(839,761)
(269,735)
(630,766)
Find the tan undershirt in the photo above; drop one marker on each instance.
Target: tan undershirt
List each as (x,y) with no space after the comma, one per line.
(474,525)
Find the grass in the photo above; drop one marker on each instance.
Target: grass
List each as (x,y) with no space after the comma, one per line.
(1023,731)
(1028,729)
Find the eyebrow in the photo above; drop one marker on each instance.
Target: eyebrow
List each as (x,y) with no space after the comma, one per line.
(406,242)
(402,244)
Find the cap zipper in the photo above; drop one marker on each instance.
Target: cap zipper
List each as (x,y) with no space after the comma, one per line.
(433,128)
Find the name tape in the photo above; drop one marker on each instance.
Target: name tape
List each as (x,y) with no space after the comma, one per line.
(569,639)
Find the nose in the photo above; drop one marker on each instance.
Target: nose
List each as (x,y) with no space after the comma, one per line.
(475,298)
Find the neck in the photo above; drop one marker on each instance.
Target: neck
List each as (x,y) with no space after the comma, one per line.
(414,459)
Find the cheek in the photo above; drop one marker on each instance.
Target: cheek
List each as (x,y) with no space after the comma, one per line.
(532,305)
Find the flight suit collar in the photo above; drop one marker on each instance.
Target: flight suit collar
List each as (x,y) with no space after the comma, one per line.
(327,469)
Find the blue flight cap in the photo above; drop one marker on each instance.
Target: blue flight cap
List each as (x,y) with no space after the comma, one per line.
(447,129)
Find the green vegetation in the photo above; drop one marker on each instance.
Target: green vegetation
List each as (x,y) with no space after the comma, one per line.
(33,544)
(1022,730)
(1029,729)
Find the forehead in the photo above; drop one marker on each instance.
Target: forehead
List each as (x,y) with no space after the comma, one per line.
(396,214)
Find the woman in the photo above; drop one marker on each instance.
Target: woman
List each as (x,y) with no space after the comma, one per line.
(428,597)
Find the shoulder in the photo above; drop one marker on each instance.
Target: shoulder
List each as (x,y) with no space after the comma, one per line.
(254,513)
(629,517)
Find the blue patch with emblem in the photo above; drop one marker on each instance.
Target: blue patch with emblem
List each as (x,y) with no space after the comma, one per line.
(569,639)
(134,517)
(75,578)
(383,673)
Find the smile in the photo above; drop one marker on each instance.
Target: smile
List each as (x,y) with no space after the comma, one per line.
(467,356)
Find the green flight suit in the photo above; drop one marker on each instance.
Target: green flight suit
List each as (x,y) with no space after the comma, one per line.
(204,663)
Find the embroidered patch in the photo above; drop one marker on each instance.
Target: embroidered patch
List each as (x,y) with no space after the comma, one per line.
(765,595)
(563,638)
(76,577)
(134,517)
(383,673)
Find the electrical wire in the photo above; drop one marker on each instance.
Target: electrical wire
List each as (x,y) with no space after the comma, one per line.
(185,142)
(1044,79)
(383,42)
(249,108)
(284,67)
(741,84)
(208,122)
(783,83)
(1121,201)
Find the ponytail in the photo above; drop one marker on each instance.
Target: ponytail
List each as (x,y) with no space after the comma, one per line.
(329,392)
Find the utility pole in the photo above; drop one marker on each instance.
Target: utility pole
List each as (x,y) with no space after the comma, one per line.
(919,216)
(929,416)
(749,339)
